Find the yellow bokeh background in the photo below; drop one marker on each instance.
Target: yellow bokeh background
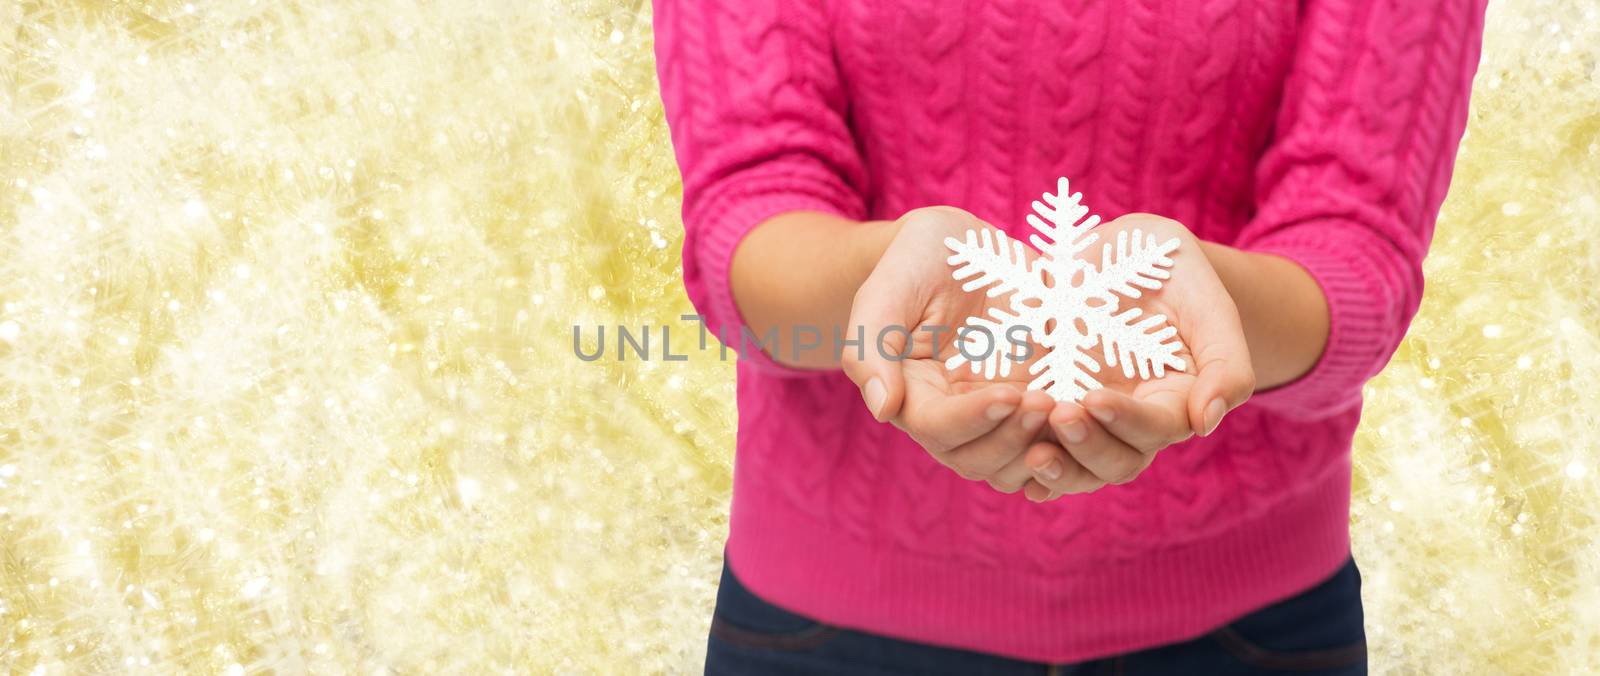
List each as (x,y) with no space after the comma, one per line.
(287,384)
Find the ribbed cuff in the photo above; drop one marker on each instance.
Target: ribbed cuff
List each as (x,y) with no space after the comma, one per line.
(1362,322)
(725,222)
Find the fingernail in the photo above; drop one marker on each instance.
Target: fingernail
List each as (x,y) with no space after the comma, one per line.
(1214,411)
(1051,470)
(1032,421)
(999,411)
(1075,432)
(1104,415)
(874,393)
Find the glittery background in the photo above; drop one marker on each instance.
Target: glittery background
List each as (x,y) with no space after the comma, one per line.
(286,380)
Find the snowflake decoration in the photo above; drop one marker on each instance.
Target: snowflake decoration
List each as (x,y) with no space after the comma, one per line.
(1067,303)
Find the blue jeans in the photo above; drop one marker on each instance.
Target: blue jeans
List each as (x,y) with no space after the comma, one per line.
(1318,632)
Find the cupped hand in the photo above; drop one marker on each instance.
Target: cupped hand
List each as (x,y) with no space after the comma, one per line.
(1114,434)
(907,313)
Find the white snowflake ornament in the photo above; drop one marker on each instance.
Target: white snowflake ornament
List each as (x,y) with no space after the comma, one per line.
(1067,304)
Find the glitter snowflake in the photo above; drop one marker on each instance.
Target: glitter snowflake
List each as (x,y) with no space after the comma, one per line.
(1067,303)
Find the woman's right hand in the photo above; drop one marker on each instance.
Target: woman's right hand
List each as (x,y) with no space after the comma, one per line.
(911,305)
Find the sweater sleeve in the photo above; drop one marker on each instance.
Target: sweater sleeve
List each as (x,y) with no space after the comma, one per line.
(757,114)
(1373,111)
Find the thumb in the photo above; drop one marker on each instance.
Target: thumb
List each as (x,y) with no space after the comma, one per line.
(879,331)
(1225,377)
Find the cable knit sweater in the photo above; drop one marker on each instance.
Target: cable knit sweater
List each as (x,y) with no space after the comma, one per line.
(1321,130)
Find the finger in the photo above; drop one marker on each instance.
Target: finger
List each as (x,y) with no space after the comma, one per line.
(1147,424)
(883,315)
(1013,476)
(1098,451)
(1037,492)
(1058,472)
(997,455)
(1221,387)
(941,421)
(1224,376)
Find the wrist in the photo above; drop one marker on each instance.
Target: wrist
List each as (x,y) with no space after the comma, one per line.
(1281,307)
(869,241)
(1231,265)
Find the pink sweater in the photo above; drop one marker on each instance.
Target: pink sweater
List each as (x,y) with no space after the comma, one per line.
(1319,130)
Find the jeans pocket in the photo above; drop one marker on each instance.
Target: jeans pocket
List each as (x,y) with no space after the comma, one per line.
(743,619)
(1252,653)
(1321,629)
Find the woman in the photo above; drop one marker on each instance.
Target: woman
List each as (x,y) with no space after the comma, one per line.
(1196,523)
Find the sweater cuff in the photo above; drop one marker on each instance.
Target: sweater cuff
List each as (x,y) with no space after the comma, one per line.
(1361,321)
(726,223)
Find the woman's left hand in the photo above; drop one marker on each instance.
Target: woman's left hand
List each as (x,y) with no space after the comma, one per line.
(1117,430)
